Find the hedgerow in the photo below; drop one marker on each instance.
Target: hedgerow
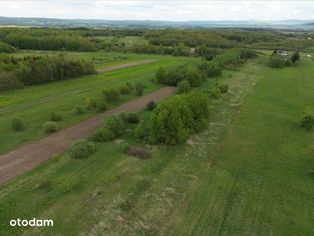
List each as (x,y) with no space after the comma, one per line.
(174,120)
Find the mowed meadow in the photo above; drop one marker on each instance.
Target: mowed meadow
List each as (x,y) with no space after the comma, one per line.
(246,174)
(34,104)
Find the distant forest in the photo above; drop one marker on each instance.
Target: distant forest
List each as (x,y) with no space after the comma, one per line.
(159,41)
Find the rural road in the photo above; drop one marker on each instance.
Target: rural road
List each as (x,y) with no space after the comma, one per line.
(31,155)
(126,65)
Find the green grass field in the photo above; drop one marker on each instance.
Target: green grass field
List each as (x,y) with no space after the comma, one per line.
(35,103)
(247,174)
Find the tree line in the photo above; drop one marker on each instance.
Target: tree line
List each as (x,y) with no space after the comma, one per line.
(40,70)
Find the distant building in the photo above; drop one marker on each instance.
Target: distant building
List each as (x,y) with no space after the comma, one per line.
(192,50)
(281,52)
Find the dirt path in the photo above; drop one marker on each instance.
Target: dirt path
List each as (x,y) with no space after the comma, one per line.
(122,66)
(27,157)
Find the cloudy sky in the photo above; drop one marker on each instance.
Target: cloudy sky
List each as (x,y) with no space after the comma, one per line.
(160,9)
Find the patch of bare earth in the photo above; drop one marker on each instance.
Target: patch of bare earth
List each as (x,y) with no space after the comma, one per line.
(126,65)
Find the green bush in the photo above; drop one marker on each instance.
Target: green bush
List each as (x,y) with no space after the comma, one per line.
(130,86)
(175,119)
(101,106)
(17,124)
(81,149)
(46,69)
(140,131)
(55,117)
(151,106)
(115,124)
(223,87)
(132,118)
(295,57)
(139,89)
(78,110)
(276,61)
(9,80)
(111,95)
(209,69)
(183,86)
(307,122)
(102,135)
(247,53)
(161,75)
(193,76)
(288,62)
(50,127)
(214,93)
(6,48)
(90,103)
(124,89)
(173,76)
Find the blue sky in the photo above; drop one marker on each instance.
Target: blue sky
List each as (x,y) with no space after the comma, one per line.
(173,10)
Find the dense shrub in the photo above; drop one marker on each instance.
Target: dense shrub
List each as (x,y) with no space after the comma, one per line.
(102,135)
(172,76)
(130,86)
(183,86)
(115,124)
(169,76)
(138,152)
(111,95)
(81,149)
(151,106)
(132,118)
(193,76)
(140,131)
(307,122)
(9,80)
(209,69)
(6,48)
(223,87)
(78,110)
(90,103)
(42,70)
(161,75)
(247,53)
(50,127)
(295,57)
(55,117)
(17,124)
(174,120)
(124,89)
(228,58)
(101,106)
(214,93)
(139,88)
(207,53)
(276,61)
(288,62)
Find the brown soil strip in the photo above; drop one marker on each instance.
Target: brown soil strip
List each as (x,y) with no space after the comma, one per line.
(29,156)
(122,66)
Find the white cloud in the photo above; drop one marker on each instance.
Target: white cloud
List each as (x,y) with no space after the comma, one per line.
(160,10)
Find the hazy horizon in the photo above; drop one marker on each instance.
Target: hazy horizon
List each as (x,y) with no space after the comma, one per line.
(161,10)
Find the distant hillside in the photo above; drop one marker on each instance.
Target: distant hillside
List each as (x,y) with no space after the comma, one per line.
(50,22)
